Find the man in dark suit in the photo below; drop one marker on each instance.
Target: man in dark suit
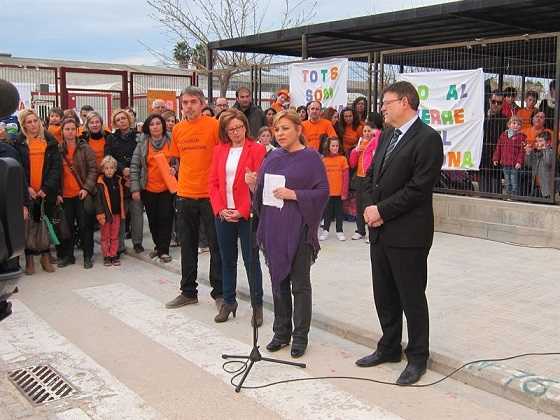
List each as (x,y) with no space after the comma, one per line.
(399,212)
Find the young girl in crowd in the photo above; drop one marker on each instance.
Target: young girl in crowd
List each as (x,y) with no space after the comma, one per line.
(349,129)
(110,210)
(264,137)
(336,167)
(53,126)
(360,160)
(509,154)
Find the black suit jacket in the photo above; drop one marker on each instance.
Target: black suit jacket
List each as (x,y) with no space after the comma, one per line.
(402,188)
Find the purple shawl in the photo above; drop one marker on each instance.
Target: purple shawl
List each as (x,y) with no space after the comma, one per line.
(279,231)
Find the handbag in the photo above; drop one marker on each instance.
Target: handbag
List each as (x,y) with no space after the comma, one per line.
(88,202)
(58,220)
(37,236)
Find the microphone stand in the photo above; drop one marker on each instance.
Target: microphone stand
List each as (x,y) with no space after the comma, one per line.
(255,355)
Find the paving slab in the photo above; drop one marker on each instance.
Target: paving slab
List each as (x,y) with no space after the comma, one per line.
(487,300)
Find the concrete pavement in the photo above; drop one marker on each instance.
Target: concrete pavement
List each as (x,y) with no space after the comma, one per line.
(487,300)
(106,330)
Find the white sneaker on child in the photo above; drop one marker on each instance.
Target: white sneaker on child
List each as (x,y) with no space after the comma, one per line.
(356,236)
(324,235)
(340,236)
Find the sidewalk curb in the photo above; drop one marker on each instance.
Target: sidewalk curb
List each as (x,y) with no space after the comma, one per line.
(531,390)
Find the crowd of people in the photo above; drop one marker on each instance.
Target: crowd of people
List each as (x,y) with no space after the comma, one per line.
(518,159)
(202,181)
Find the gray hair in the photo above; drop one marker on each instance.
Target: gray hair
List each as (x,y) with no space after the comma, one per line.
(194,91)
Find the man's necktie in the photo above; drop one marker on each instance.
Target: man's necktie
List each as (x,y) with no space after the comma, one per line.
(392,144)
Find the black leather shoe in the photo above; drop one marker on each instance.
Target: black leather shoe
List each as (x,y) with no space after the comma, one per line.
(298,350)
(88,263)
(276,344)
(411,374)
(377,358)
(66,261)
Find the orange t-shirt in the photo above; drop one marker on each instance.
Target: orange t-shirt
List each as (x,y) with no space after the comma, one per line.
(155,182)
(312,131)
(526,116)
(532,134)
(98,147)
(350,137)
(335,167)
(56,131)
(37,149)
(70,186)
(193,143)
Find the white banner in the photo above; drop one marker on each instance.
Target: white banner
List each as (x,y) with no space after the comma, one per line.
(319,80)
(24,90)
(452,102)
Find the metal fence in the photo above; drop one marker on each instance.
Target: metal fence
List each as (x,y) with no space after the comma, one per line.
(522,67)
(40,82)
(142,83)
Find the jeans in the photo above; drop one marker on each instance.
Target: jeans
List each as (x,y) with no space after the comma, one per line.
(193,213)
(159,209)
(74,211)
(511,176)
(228,233)
(137,223)
(298,284)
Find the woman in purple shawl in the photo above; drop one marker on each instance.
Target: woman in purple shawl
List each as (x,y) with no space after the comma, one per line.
(288,235)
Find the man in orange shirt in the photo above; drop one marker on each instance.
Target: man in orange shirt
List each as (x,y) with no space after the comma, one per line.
(315,126)
(193,141)
(537,128)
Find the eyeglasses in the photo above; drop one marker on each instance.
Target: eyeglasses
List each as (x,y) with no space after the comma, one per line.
(385,103)
(234,129)
(497,102)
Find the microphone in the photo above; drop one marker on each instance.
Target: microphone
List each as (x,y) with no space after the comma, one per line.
(9,98)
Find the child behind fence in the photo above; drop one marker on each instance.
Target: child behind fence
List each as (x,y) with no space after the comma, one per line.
(540,158)
(509,154)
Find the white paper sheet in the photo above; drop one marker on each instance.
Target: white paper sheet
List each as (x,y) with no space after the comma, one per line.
(271,182)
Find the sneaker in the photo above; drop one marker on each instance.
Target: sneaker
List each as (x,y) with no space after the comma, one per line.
(181,300)
(107,262)
(324,235)
(116,261)
(164,258)
(356,236)
(138,248)
(340,236)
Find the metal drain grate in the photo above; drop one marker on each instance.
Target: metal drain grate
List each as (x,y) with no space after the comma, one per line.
(41,384)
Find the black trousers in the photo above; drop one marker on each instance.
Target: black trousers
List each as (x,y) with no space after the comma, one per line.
(399,285)
(360,205)
(193,213)
(333,211)
(74,212)
(160,211)
(298,284)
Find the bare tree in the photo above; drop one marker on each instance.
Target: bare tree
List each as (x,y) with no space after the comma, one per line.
(193,23)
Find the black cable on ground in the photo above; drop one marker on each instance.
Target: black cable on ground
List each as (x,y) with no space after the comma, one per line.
(238,372)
